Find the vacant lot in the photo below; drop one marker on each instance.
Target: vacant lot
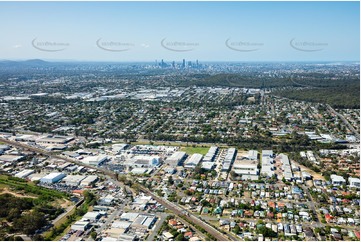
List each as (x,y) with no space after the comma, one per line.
(315,175)
(193,150)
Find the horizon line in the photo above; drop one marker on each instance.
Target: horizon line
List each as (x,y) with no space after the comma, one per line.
(160,59)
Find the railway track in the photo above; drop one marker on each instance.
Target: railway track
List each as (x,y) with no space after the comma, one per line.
(172,207)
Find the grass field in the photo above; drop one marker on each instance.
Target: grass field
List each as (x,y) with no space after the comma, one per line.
(192,150)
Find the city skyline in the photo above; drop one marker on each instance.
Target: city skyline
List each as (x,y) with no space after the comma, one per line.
(207,31)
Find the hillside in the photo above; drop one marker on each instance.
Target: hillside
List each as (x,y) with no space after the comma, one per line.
(26,208)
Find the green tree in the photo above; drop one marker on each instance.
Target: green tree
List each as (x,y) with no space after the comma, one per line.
(30,222)
(180,237)
(170,180)
(236,229)
(93,235)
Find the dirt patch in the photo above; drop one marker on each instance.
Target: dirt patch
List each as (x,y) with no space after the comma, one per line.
(7,191)
(65,203)
(62,202)
(247,194)
(314,174)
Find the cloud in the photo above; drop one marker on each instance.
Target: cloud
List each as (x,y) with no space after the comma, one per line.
(144,45)
(17,46)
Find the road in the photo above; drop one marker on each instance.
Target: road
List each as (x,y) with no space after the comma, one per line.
(68,212)
(56,156)
(219,159)
(353,130)
(312,206)
(162,217)
(180,212)
(110,219)
(174,208)
(207,221)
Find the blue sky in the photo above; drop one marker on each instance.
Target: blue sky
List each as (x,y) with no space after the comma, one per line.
(273,31)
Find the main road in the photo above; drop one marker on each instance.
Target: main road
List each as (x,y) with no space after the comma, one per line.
(354,131)
(171,206)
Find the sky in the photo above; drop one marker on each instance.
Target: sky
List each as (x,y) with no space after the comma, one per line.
(207,31)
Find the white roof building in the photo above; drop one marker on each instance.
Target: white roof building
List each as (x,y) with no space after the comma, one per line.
(286,167)
(11,158)
(95,160)
(267,167)
(230,155)
(106,201)
(306,175)
(268,153)
(226,166)
(91,216)
(211,154)
(4,147)
(354,182)
(337,180)
(129,216)
(139,170)
(36,176)
(109,239)
(52,177)
(208,165)
(143,161)
(246,167)
(80,225)
(24,173)
(117,148)
(176,158)
(252,154)
(54,139)
(65,165)
(193,161)
(121,224)
(89,180)
(73,180)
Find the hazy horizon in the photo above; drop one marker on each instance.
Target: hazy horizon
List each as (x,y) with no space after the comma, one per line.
(178,61)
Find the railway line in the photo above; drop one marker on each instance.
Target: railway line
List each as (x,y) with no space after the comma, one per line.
(172,207)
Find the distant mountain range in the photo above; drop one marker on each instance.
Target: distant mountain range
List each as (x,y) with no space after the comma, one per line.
(26,63)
